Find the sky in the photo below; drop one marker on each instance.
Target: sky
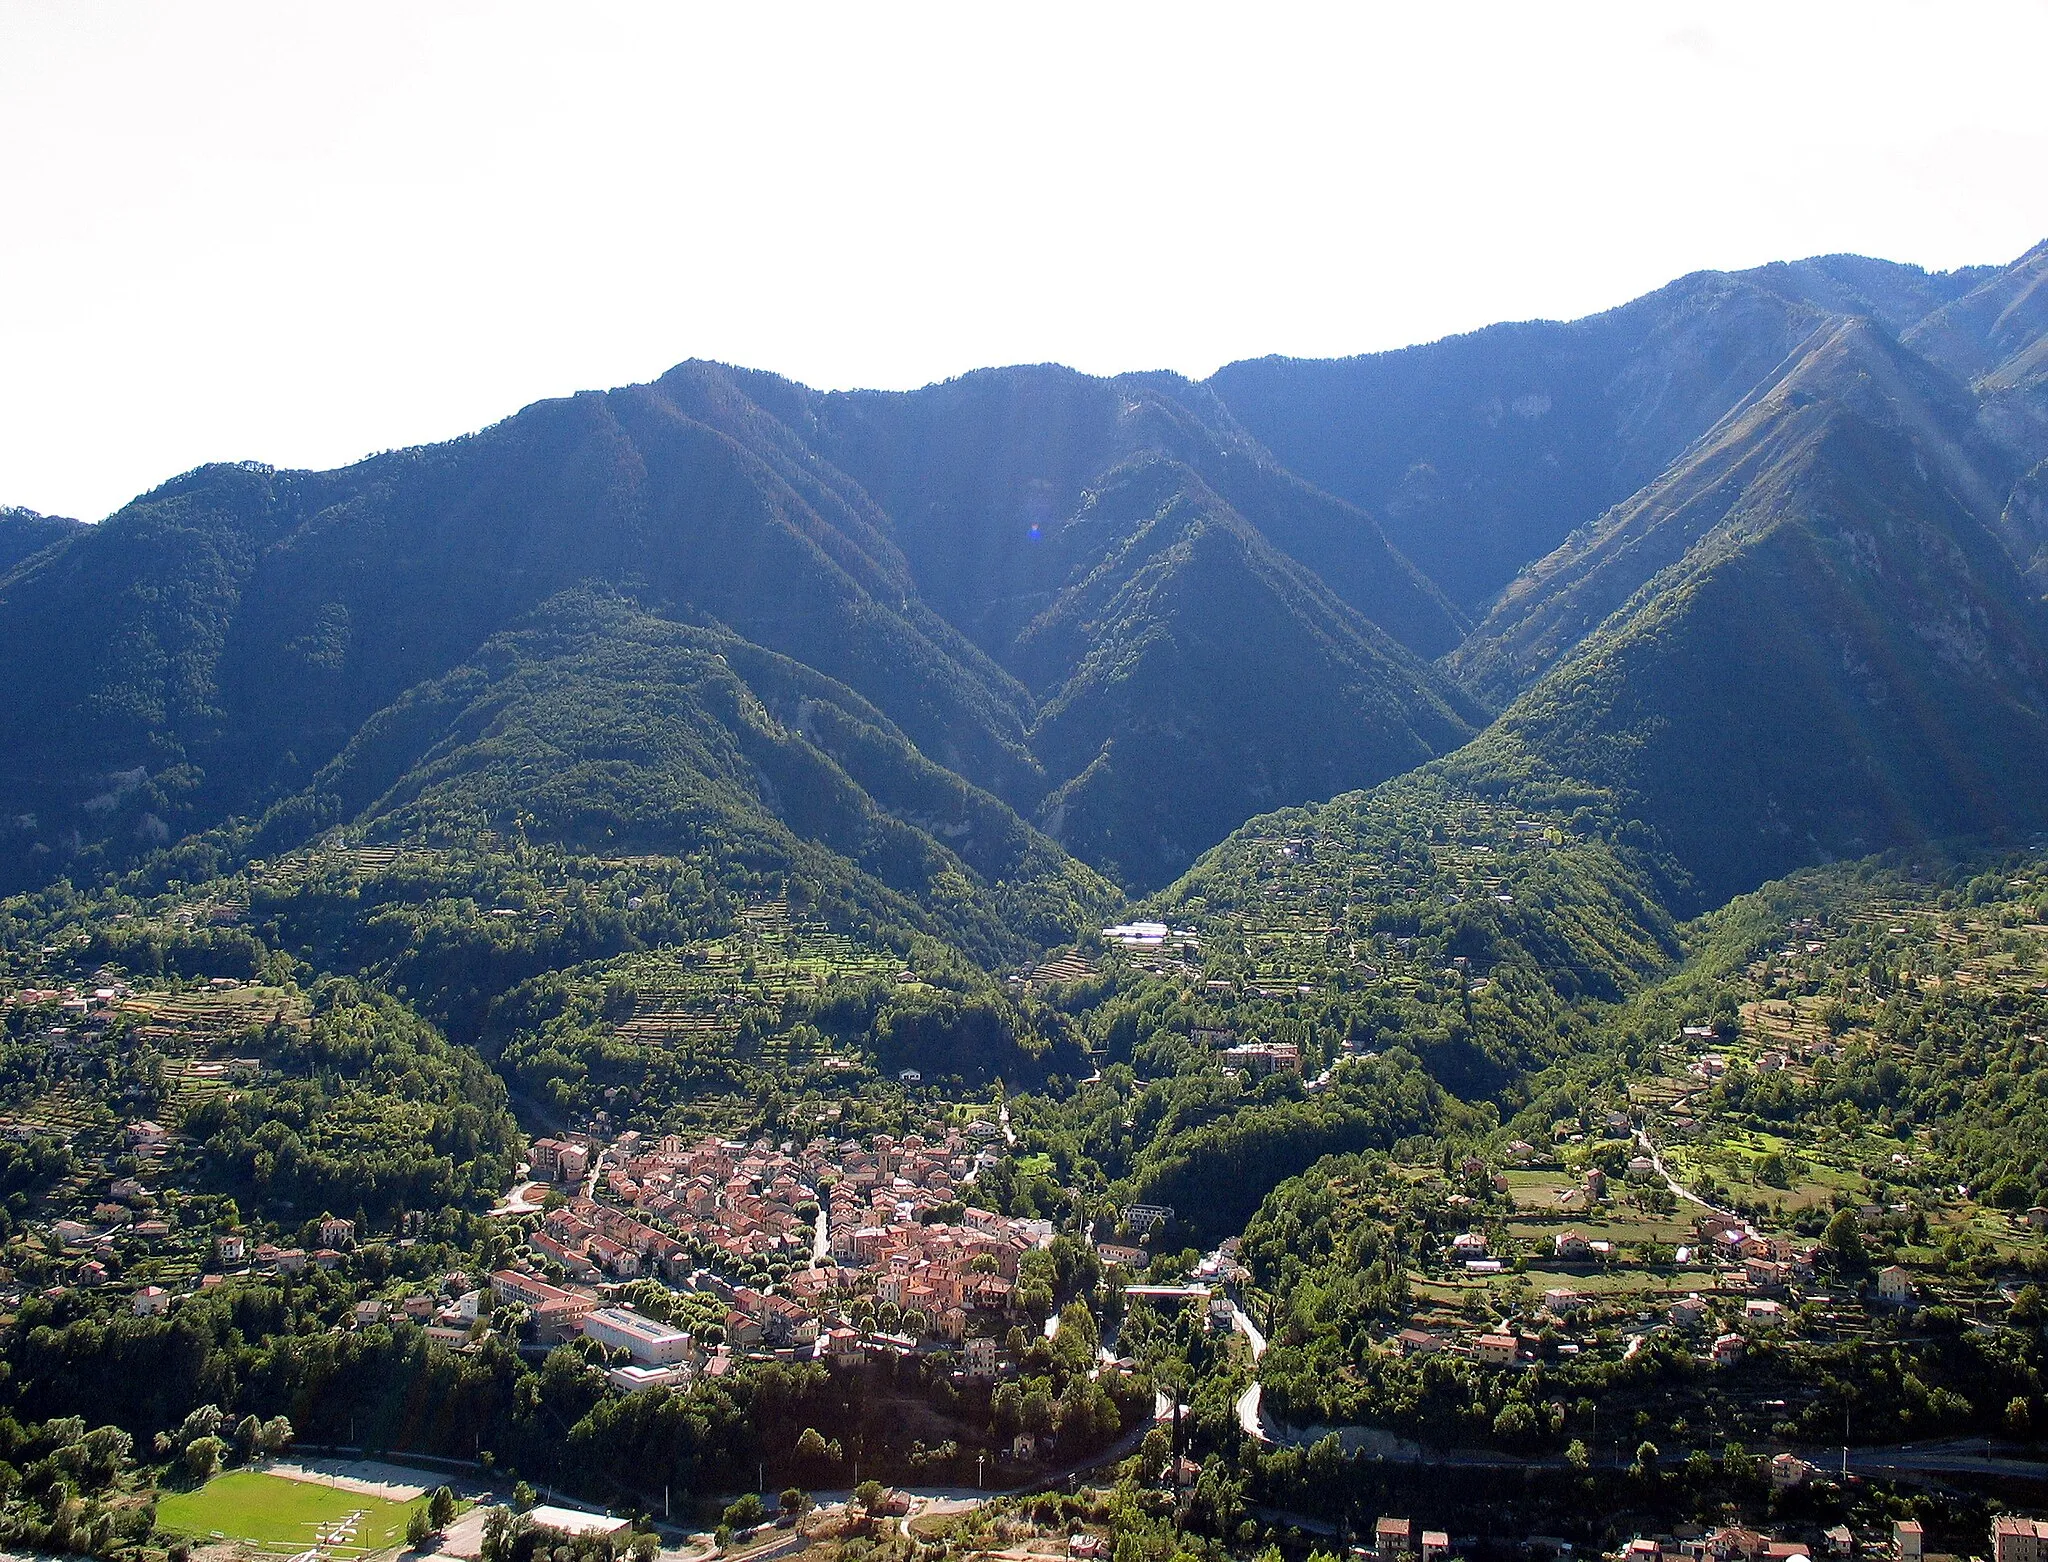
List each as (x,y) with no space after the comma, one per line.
(303,233)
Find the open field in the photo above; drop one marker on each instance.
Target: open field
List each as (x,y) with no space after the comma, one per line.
(285,1515)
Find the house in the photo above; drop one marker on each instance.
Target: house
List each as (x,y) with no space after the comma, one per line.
(1119,1253)
(1571,1246)
(1468,1244)
(842,1346)
(1841,1543)
(1392,1538)
(1436,1545)
(1728,1349)
(2014,1539)
(369,1312)
(1788,1470)
(1906,1540)
(152,1301)
(979,1356)
(1642,1550)
(1689,1312)
(92,1272)
(337,1233)
(634,1378)
(1261,1058)
(1495,1350)
(1023,1446)
(1087,1547)
(1418,1342)
(230,1247)
(1758,1311)
(1895,1286)
(73,1233)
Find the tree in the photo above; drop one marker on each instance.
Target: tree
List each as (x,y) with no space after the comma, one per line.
(814,1454)
(523,1498)
(275,1437)
(248,1437)
(441,1507)
(419,1530)
(1576,1455)
(1646,1459)
(869,1495)
(1843,1239)
(795,1501)
(744,1512)
(202,1457)
(503,1528)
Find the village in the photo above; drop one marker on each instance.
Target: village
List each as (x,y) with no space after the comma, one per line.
(834,1222)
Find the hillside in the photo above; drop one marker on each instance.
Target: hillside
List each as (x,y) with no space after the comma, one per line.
(1194,655)
(1848,661)
(202,654)
(1480,453)
(1732,479)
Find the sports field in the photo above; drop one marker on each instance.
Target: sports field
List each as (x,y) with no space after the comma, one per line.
(284,1515)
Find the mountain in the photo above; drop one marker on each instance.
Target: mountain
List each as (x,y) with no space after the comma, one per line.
(1190,664)
(203,653)
(24,532)
(1482,452)
(1846,659)
(1732,475)
(1787,517)
(609,730)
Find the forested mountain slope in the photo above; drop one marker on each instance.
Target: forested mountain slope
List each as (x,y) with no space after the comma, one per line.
(203,653)
(1482,452)
(1734,475)
(1745,517)
(1848,661)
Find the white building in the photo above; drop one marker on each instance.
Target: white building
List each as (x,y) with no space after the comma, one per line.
(650,1343)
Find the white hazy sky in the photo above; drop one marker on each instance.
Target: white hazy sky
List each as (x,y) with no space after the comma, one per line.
(298,232)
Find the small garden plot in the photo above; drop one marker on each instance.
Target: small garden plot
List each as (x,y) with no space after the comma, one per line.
(279,1514)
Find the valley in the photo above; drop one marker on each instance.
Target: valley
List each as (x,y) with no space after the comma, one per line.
(1192,966)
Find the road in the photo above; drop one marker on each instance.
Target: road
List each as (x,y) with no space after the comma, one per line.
(1685,1194)
(821,1240)
(1250,1407)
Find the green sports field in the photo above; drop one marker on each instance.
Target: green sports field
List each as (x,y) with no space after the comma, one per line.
(282,1515)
